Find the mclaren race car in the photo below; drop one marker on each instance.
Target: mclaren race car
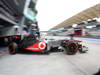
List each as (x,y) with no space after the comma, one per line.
(30,43)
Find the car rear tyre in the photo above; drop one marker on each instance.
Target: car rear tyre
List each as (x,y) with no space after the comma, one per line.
(12,48)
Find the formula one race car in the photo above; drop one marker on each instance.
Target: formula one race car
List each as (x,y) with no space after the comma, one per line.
(71,47)
(30,43)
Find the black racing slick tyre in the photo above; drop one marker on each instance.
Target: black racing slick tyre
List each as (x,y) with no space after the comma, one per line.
(12,48)
(71,49)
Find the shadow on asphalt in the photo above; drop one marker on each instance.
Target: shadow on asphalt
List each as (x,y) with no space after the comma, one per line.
(32,53)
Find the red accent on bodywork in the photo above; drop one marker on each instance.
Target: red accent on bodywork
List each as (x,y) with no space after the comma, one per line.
(41,45)
(34,47)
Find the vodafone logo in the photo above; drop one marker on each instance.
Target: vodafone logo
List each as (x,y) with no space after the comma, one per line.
(42,45)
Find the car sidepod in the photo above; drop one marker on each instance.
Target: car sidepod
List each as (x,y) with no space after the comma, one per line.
(38,47)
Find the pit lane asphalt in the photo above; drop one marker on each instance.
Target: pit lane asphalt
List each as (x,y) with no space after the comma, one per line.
(23,64)
(53,64)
